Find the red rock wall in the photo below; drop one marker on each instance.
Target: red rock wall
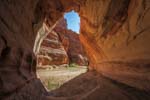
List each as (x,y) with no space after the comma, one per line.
(116,37)
(61,46)
(72,44)
(52,51)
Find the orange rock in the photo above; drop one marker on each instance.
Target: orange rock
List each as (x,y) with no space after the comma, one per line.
(52,51)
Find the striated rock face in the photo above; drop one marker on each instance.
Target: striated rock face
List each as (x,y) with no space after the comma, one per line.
(114,33)
(61,46)
(71,43)
(52,51)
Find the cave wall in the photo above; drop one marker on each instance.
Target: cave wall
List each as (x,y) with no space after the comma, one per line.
(17,61)
(19,23)
(114,28)
(115,35)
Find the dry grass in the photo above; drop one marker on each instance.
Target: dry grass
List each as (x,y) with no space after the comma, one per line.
(53,79)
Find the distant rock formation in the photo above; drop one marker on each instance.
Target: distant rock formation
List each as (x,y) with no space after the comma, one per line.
(61,46)
(52,51)
(71,43)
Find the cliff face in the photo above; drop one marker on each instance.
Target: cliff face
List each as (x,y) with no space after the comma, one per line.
(52,51)
(114,33)
(75,50)
(71,43)
(61,46)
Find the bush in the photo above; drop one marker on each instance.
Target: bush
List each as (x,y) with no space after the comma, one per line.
(52,85)
(73,65)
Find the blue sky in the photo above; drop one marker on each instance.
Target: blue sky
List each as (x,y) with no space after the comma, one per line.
(73,21)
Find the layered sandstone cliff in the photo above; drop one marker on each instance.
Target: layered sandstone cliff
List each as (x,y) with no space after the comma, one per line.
(52,51)
(71,43)
(61,46)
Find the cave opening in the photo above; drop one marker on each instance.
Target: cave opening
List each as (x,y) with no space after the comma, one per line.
(60,55)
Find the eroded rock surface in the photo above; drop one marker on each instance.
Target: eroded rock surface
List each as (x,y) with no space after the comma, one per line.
(97,88)
(115,35)
(17,60)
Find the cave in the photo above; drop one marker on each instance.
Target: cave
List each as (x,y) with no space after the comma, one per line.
(114,35)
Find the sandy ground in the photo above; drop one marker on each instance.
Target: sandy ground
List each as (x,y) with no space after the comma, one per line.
(53,79)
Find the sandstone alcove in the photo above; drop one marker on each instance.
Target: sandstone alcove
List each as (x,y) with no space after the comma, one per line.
(114,33)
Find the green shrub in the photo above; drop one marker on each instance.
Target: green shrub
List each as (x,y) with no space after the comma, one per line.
(52,85)
(73,65)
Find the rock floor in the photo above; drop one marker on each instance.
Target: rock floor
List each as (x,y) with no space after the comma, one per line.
(93,86)
(87,86)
